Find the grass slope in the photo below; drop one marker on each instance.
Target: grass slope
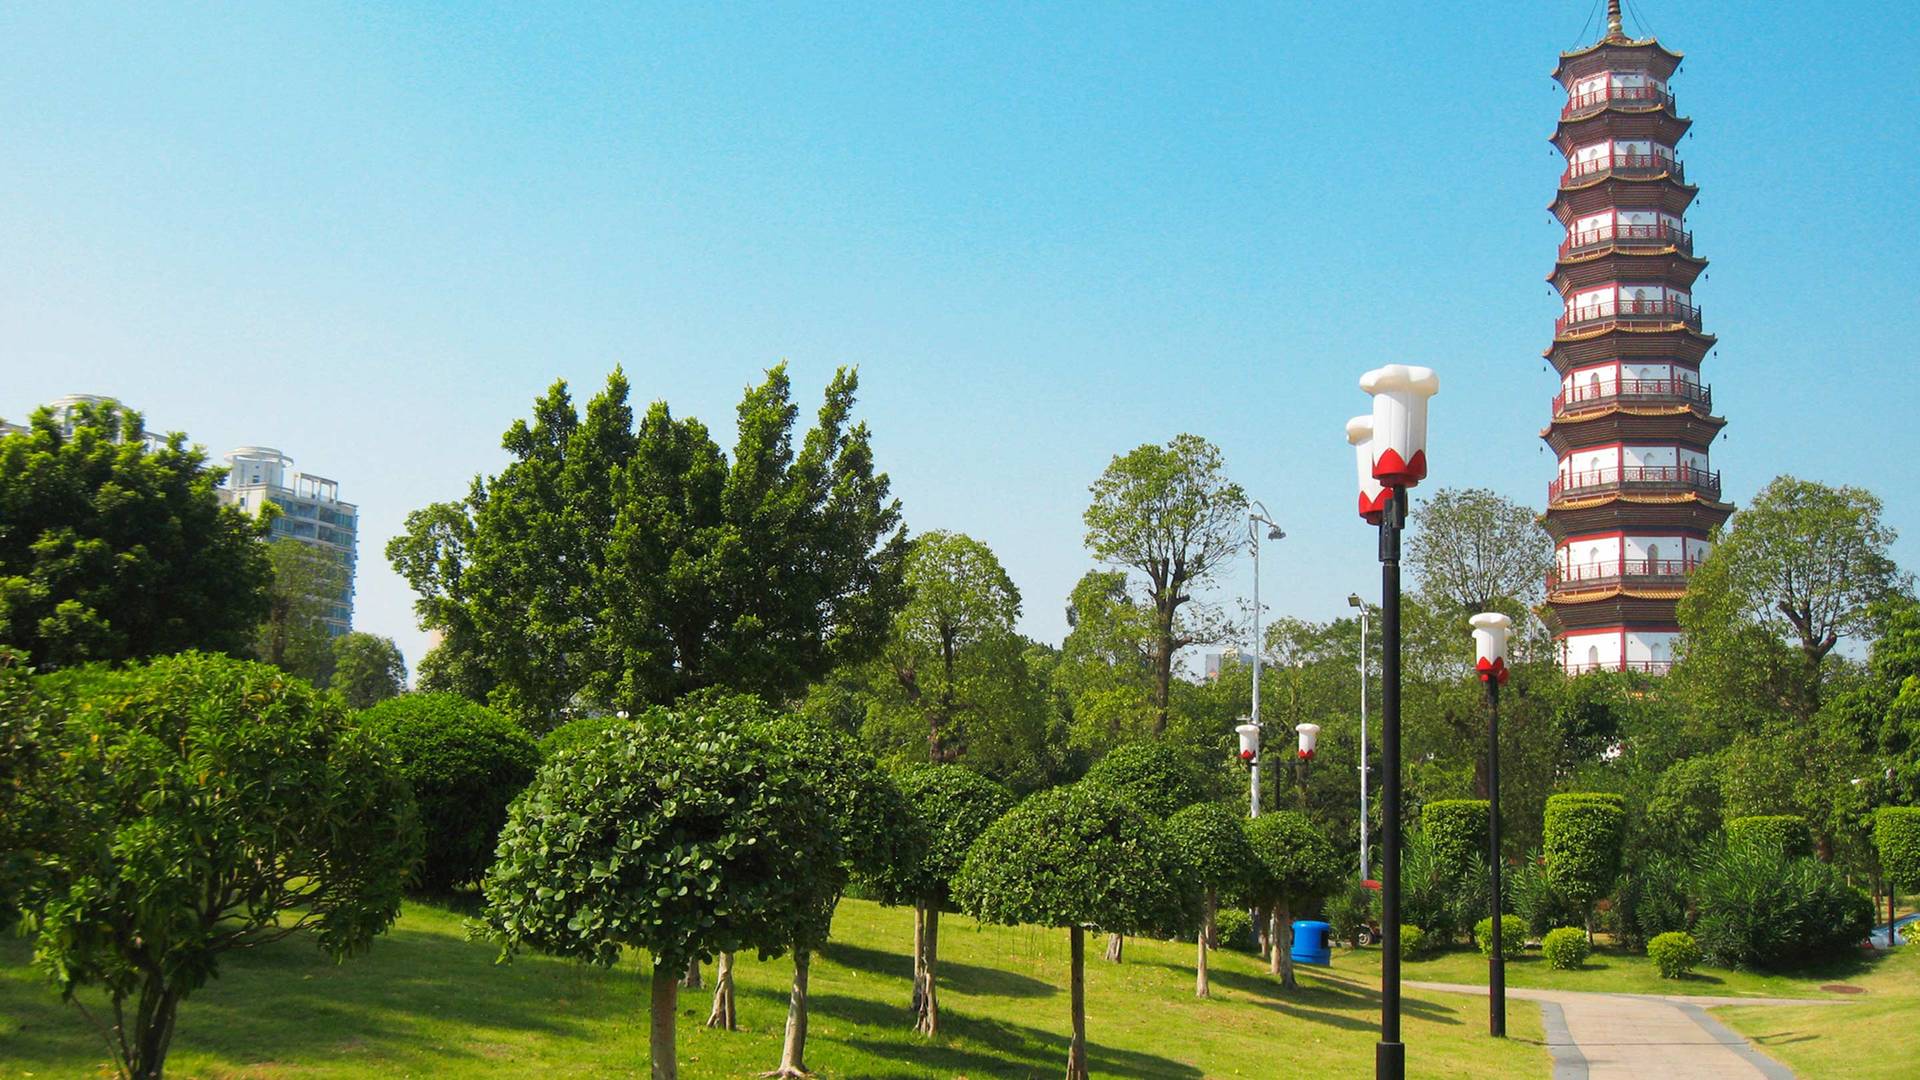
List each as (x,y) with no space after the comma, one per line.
(427,1002)
(1875,1038)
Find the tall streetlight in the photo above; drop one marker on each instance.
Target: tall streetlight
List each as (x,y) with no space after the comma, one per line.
(1391,447)
(1354,601)
(1490,661)
(1255,520)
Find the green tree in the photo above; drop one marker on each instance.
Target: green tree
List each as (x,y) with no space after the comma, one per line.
(26,724)
(610,566)
(1212,839)
(1457,829)
(960,604)
(1294,865)
(308,582)
(1583,842)
(114,547)
(726,857)
(1075,857)
(949,807)
(205,805)
(865,809)
(1169,514)
(1153,777)
(1800,568)
(465,763)
(367,669)
(1471,548)
(1896,835)
(1105,670)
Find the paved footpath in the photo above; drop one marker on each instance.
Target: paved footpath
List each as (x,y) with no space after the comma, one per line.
(1621,1036)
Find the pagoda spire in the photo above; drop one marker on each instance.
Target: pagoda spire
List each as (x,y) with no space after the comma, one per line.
(1614,31)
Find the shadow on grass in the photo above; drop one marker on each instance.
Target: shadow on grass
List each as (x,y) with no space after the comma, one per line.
(966,978)
(1009,1050)
(382,1003)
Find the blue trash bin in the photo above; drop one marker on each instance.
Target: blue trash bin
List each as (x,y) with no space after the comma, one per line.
(1310,942)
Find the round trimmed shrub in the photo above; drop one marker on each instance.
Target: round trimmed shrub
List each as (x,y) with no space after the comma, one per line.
(1566,948)
(1152,775)
(1413,943)
(1896,836)
(1513,935)
(1675,953)
(1582,840)
(1234,929)
(1785,833)
(466,763)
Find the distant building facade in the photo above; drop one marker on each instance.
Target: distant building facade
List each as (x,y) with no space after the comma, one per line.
(310,512)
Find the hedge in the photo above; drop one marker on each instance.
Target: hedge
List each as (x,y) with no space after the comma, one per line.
(1785,833)
(1582,844)
(1457,829)
(1896,835)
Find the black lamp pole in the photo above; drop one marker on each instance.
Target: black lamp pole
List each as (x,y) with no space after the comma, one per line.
(1497,981)
(1390,1054)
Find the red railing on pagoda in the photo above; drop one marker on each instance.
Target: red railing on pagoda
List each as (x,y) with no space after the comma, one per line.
(1596,574)
(1601,315)
(1594,395)
(1659,477)
(1660,235)
(1608,95)
(1624,165)
(1651,667)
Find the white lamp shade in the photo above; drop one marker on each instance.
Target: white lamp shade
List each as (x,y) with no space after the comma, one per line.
(1400,394)
(1373,496)
(1309,738)
(1249,741)
(1490,629)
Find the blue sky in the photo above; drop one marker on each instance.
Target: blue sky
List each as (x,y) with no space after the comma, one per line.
(1045,234)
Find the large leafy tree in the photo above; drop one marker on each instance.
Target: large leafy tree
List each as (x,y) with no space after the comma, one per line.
(1105,669)
(1076,857)
(1212,838)
(203,806)
(1294,864)
(1791,575)
(1471,548)
(953,644)
(367,669)
(612,565)
(308,582)
(1169,515)
(601,853)
(116,547)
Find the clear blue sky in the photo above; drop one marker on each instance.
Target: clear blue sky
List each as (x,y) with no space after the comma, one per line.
(369,236)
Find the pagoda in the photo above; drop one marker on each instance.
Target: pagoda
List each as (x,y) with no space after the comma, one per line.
(1635,497)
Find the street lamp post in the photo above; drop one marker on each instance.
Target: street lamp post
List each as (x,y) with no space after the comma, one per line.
(1392,449)
(1490,661)
(1256,519)
(1353,601)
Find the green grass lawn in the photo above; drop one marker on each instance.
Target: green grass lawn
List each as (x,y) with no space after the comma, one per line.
(1616,970)
(427,1002)
(1875,1038)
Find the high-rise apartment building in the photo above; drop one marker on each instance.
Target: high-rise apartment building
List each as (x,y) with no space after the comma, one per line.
(310,512)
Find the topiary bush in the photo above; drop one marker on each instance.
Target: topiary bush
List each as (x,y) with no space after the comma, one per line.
(1785,833)
(1233,929)
(1759,908)
(1566,948)
(1151,775)
(1582,846)
(1896,837)
(466,763)
(1413,942)
(1513,936)
(1674,953)
(1456,829)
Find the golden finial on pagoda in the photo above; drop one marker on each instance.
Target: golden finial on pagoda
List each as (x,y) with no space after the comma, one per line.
(1614,32)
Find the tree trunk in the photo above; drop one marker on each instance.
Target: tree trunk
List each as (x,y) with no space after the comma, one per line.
(1283,929)
(722,1015)
(1274,944)
(153,1032)
(1200,988)
(919,956)
(666,996)
(1589,924)
(1116,945)
(929,1024)
(1162,670)
(691,980)
(793,1055)
(1077,1050)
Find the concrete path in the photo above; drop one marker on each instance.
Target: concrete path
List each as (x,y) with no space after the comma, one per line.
(1620,1036)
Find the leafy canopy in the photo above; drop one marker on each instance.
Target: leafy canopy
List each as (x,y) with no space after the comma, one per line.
(1294,862)
(686,833)
(308,582)
(1075,856)
(1583,841)
(367,669)
(1151,775)
(465,762)
(115,547)
(948,808)
(1212,840)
